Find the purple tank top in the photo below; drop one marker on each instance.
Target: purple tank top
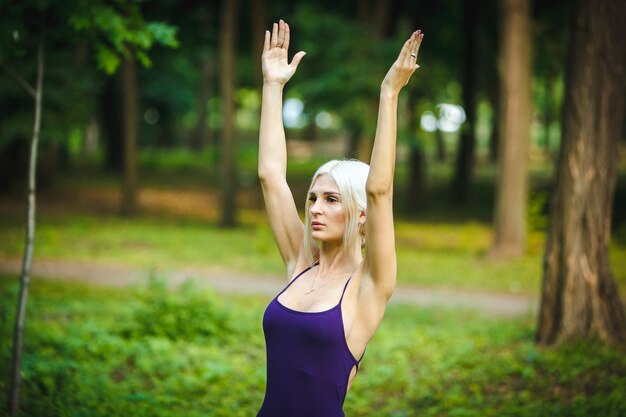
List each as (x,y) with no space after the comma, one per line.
(308,361)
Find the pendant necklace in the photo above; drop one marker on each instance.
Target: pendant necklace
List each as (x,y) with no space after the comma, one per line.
(321,286)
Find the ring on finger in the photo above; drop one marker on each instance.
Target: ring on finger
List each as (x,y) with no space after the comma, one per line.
(414,55)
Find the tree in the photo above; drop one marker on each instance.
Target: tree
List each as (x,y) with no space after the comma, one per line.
(70,20)
(18,332)
(515,110)
(467,144)
(229,134)
(579,296)
(130,133)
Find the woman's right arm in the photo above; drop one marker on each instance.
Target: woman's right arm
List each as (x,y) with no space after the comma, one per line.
(283,215)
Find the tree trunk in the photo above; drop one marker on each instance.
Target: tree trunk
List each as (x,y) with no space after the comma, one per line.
(130,107)
(579,295)
(441,146)
(467,144)
(111,124)
(494,137)
(259,26)
(229,134)
(18,332)
(515,109)
(199,137)
(374,15)
(416,192)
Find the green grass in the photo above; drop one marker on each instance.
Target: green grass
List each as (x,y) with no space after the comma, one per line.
(434,255)
(149,352)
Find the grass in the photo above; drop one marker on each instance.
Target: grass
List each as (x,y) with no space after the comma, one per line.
(434,255)
(148,352)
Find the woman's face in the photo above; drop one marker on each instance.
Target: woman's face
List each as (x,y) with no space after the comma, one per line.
(326,210)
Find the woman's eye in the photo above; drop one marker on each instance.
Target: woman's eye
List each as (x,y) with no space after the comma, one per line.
(312,198)
(332,200)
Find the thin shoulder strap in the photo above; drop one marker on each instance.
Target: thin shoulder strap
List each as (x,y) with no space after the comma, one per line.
(295,278)
(344,290)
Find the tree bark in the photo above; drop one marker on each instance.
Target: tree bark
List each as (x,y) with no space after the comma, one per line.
(579,295)
(227,84)
(515,109)
(130,116)
(467,143)
(18,332)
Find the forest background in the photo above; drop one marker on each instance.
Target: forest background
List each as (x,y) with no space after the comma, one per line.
(147,167)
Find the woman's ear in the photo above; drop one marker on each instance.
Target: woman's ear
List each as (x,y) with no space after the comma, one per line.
(361,222)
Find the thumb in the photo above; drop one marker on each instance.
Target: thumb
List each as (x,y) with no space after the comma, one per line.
(296,59)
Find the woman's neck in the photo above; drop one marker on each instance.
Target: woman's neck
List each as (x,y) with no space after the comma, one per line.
(335,259)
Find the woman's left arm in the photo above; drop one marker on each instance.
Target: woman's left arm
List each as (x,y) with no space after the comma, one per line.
(380,251)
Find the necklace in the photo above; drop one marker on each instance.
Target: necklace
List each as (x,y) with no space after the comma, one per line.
(321,286)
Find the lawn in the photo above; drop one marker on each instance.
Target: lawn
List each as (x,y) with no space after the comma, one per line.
(146,351)
(151,352)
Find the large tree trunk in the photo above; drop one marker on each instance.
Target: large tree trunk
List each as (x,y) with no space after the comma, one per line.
(515,109)
(229,134)
(130,106)
(579,296)
(467,143)
(18,332)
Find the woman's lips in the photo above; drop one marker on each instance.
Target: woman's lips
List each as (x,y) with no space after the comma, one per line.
(316,225)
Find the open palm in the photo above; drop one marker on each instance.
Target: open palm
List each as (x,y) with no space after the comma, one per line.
(274,61)
(406,64)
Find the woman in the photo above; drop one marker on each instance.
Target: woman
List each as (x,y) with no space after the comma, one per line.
(341,262)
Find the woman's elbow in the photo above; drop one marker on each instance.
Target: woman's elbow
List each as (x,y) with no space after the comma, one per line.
(268,175)
(375,189)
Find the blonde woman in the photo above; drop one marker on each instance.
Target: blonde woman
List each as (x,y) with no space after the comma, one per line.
(341,262)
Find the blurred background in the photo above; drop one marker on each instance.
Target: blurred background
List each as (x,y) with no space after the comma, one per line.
(147,172)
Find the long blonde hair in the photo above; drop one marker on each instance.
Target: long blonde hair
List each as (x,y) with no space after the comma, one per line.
(350,176)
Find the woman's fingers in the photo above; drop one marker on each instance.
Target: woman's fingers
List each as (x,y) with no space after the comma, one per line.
(274,40)
(416,44)
(287,37)
(266,43)
(281,33)
(404,52)
(296,59)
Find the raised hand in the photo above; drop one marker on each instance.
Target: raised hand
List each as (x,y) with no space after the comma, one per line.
(406,64)
(274,61)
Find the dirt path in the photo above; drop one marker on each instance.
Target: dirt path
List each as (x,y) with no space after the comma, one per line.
(229,282)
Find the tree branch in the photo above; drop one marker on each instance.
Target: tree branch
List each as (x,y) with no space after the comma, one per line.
(21,81)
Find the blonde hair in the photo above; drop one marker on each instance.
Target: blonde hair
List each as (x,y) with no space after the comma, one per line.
(350,176)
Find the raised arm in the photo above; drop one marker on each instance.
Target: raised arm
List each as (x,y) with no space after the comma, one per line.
(380,253)
(281,209)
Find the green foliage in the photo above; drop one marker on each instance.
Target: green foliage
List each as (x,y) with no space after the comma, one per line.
(343,75)
(422,362)
(112,31)
(186,314)
(119,31)
(537,211)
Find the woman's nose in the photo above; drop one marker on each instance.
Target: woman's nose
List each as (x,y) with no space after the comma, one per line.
(315,207)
